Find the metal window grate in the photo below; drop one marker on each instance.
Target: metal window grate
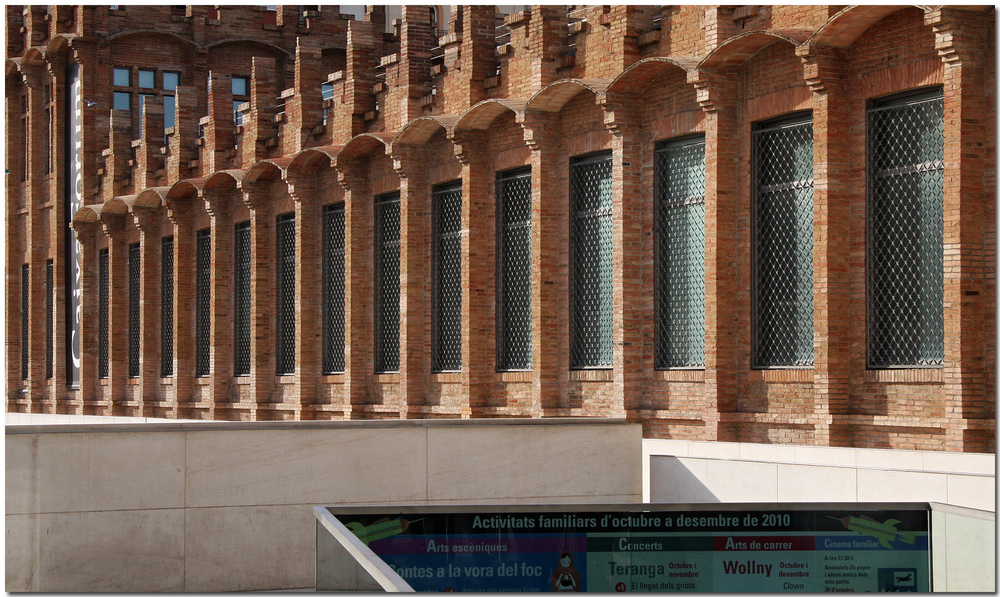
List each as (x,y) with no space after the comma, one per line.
(49,320)
(906,232)
(134,327)
(202,299)
(333,288)
(387,283)
(285,232)
(167,307)
(446,263)
(514,270)
(241,299)
(783,244)
(103,299)
(591,282)
(25,293)
(680,254)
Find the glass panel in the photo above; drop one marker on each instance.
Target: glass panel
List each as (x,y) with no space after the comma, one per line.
(123,100)
(592,302)
(147,79)
(333,288)
(123,77)
(169,111)
(237,115)
(286,294)
(680,254)
(906,233)
(241,86)
(514,275)
(387,283)
(446,334)
(783,245)
(171,80)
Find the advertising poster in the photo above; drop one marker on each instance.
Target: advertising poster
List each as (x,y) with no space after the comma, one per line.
(725,551)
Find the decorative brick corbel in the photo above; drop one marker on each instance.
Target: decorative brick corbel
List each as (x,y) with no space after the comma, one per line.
(301,186)
(952,27)
(407,160)
(466,144)
(620,112)
(822,66)
(539,128)
(713,90)
(350,175)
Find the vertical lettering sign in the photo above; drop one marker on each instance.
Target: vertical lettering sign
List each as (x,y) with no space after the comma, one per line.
(74,201)
(700,551)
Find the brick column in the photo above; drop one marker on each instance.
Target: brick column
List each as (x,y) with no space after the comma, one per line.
(218,204)
(308,288)
(414,278)
(632,298)
(825,70)
(114,229)
(959,40)
(14,143)
(148,222)
(358,234)
(87,233)
(478,269)
(182,142)
(262,310)
(180,214)
(549,345)
(58,231)
(716,94)
(38,145)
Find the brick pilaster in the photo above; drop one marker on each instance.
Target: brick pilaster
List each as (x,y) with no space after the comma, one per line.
(304,111)
(87,233)
(358,233)
(183,141)
(12,314)
(114,227)
(218,204)
(262,309)
(117,173)
(548,282)
(478,55)
(716,94)
(416,40)
(359,76)
(547,44)
(36,78)
(826,72)
(258,122)
(147,220)
(308,288)
(148,157)
(219,136)
(180,213)
(58,229)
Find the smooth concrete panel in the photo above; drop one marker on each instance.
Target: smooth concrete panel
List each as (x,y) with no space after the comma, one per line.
(78,472)
(972,491)
(742,481)
(723,450)
(897,486)
(954,462)
(802,483)
(130,550)
(521,462)
(891,459)
(767,452)
(679,481)
(253,548)
(823,455)
(963,553)
(317,466)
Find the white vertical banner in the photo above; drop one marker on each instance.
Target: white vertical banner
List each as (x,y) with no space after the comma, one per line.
(74,201)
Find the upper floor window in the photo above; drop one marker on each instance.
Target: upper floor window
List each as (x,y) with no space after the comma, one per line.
(241,95)
(446,278)
(387,283)
(514,270)
(333,288)
(906,230)
(150,83)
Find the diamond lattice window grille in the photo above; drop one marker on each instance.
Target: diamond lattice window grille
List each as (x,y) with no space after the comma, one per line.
(285,298)
(906,231)
(241,299)
(49,320)
(134,327)
(167,307)
(333,288)
(202,298)
(513,192)
(387,283)
(446,274)
(783,243)
(679,171)
(103,283)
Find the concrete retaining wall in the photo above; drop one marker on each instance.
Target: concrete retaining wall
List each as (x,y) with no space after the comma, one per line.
(227,506)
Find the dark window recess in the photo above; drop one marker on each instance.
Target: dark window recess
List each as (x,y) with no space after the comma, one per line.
(514,270)
(103,282)
(241,299)
(906,231)
(285,298)
(134,327)
(591,271)
(387,283)
(167,307)
(202,299)
(25,318)
(333,288)
(446,276)
(783,243)
(679,292)
(49,320)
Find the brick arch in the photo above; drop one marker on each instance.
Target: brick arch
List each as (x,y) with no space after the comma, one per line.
(88,214)
(554,96)
(845,27)
(365,144)
(736,50)
(33,55)
(173,36)
(266,170)
(246,40)
(60,42)
(420,130)
(482,115)
(151,198)
(313,157)
(185,189)
(224,178)
(642,73)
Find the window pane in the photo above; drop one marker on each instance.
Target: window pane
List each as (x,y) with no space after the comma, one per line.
(123,101)
(123,77)
(241,286)
(167,307)
(169,111)
(25,294)
(446,299)
(286,294)
(171,80)
(680,254)
(147,79)
(202,298)
(49,320)
(333,288)
(387,283)
(237,115)
(592,302)
(783,245)
(514,275)
(906,233)
(103,310)
(134,261)
(241,86)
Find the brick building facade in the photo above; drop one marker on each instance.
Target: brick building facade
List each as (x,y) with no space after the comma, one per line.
(744,223)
